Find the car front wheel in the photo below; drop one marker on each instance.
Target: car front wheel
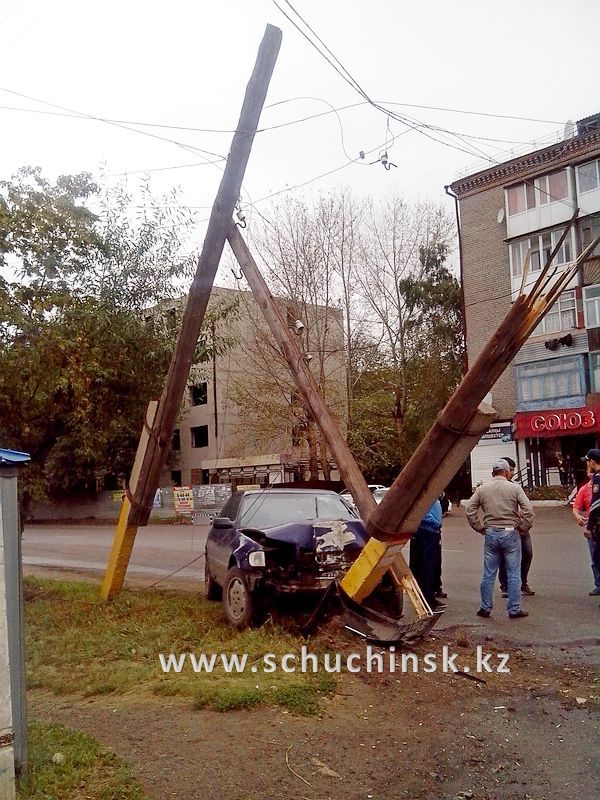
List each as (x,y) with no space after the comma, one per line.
(238,600)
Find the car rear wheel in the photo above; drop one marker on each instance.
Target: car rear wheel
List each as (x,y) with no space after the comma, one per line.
(238,600)
(212,588)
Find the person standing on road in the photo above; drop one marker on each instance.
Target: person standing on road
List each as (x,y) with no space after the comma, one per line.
(526,553)
(424,554)
(507,514)
(581,510)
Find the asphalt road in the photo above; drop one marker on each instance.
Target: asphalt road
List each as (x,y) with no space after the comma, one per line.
(561,611)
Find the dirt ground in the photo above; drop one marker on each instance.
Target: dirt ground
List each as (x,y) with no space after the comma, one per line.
(528,735)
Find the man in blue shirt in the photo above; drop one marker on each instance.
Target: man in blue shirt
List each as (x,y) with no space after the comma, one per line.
(425,554)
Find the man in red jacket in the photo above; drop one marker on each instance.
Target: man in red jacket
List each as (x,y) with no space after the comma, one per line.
(581,510)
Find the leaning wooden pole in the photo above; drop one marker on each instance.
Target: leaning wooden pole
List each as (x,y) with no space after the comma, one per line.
(309,389)
(397,517)
(302,375)
(161,433)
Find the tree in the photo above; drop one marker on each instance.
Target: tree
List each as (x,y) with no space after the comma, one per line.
(414,301)
(380,307)
(79,356)
(298,264)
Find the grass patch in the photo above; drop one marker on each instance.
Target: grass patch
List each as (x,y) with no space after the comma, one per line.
(86,770)
(300,696)
(78,645)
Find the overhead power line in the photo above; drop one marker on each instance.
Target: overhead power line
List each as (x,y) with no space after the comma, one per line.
(420,127)
(184,145)
(277,126)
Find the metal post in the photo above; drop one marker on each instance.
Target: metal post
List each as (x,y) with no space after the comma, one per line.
(13,698)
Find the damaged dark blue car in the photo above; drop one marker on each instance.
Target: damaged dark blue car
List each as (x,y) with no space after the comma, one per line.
(273,542)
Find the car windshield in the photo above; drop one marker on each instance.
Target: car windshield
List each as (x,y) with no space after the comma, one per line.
(379,494)
(269,510)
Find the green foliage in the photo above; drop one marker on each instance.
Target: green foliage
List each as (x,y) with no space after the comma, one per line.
(398,392)
(548,493)
(80,357)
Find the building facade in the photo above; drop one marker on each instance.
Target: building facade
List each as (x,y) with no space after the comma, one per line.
(241,418)
(548,400)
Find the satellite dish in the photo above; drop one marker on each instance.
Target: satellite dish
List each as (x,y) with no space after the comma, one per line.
(500,216)
(569,131)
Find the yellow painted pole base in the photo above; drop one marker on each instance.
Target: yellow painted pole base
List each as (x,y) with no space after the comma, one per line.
(370,567)
(119,554)
(125,532)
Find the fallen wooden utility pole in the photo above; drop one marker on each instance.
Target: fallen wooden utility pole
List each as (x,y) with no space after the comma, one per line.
(452,435)
(349,469)
(161,433)
(351,473)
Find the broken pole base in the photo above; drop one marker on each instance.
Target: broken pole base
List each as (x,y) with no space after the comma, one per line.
(378,555)
(126,530)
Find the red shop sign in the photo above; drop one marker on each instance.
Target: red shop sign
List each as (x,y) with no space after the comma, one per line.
(559,422)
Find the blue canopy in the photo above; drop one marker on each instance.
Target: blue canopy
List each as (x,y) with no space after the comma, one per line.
(13,457)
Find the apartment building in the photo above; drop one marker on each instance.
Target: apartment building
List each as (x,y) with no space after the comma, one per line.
(241,418)
(548,400)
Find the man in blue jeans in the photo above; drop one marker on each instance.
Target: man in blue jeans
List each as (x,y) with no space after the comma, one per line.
(507,514)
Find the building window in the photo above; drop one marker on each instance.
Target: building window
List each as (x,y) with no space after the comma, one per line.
(595,371)
(550,188)
(200,436)
(199,394)
(176,440)
(561,317)
(516,199)
(591,306)
(590,228)
(176,477)
(541,245)
(550,380)
(588,177)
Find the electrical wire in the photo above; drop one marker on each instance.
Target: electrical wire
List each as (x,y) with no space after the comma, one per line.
(189,148)
(332,110)
(175,571)
(351,81)
(195,129)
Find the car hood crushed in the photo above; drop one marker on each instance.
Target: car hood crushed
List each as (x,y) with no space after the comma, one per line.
(320,535)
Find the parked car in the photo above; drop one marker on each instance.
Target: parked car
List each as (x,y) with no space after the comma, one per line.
(379,494)
(374,487)
(282,541)
(347,498)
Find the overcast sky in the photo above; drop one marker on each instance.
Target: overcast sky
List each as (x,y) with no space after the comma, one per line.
(187,63)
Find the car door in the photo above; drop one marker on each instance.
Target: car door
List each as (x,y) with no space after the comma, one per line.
(221,542)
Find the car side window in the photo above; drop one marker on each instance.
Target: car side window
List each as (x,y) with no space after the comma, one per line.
(230,509)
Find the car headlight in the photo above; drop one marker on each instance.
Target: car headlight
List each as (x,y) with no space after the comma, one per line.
(257,558)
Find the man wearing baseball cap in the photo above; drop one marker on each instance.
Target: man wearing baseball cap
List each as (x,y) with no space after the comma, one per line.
(501,511)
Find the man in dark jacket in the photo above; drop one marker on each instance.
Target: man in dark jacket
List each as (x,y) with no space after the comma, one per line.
(526,553)
(425,554)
